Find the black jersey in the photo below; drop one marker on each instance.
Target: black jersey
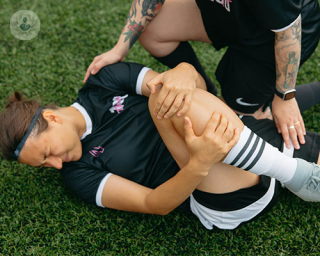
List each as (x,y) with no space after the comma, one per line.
(123,138)
(249,25)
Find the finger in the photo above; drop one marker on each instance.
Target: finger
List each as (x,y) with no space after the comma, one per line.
(154,82)
(285,135)
(222,126)
(178,102)
(303,126)
(213,123)
(276,121)
(166,105)
(300,133)
(294,139)
(160,100)
(235,138)
(100,64)
(186,105)
(86,76)
(228,133)
(88,73)
(188,131)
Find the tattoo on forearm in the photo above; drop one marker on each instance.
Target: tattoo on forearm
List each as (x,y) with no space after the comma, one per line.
(291,71)
(278,72)
(150,8)
(287,53)
(134,31)
(135,23)
(133,11)
(280,37)
(296,30)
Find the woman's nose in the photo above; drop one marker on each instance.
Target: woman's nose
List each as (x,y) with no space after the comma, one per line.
(54,161)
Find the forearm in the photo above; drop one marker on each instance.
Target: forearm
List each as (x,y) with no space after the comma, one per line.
(287,56)
(140,15)
(175,191)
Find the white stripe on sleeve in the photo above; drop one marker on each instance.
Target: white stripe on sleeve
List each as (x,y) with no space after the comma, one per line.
(100,190)
(143,72)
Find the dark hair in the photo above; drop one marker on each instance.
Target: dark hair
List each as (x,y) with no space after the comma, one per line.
(15,121)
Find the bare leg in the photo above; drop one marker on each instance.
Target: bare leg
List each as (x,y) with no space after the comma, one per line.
(178,21)
(222,178)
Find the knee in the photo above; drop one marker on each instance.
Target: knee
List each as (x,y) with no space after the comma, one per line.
(148,40)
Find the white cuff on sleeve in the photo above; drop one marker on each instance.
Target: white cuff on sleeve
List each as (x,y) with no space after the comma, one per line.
(143,72)
(100,190)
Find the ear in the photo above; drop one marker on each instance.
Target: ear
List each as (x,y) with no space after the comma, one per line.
(51,116)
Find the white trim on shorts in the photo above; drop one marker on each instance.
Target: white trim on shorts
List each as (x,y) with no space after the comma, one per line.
(231,219)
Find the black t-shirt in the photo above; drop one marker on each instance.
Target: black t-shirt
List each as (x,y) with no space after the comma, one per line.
(249,25)
(123,138)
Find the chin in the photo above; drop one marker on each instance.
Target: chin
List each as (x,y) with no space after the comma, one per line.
(76,157)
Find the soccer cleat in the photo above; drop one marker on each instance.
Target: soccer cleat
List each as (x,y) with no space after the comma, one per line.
(306,181)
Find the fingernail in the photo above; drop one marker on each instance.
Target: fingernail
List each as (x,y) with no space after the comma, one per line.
(179,114)
(166,117)
(159,117)
(155,113)
(93,72)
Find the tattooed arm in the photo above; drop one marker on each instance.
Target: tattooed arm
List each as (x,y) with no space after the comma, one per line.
(286,113)
(142,12)
(287,54)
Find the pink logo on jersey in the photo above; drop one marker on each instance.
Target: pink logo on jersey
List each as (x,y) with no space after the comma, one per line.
(117,104)
(224,3)
(96,151)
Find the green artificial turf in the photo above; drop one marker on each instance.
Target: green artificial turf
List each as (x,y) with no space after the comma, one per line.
(40,216)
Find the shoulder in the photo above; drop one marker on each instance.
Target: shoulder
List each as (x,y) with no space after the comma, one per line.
(83,180)
(275,14)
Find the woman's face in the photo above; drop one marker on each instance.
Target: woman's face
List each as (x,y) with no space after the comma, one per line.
(58,144)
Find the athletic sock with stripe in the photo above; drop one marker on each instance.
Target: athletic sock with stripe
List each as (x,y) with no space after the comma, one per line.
(253,154)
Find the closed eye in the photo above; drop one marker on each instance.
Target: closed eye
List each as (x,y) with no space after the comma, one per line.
(44,158)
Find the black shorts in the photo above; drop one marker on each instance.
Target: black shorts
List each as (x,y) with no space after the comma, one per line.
(246,83)
(247,72)
(229,210)
(267,130)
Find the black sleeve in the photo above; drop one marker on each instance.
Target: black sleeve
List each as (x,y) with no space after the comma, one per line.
(121,76)
(275,14)
(84,181)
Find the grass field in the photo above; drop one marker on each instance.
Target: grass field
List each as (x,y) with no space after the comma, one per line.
(40,216)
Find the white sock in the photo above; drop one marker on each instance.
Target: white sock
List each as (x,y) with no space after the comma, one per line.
(253,154)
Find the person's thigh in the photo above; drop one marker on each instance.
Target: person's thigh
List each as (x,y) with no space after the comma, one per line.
(178,20)
(247,82)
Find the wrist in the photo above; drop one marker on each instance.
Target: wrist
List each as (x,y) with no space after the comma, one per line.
(199,168)
(287,95)
(122,48)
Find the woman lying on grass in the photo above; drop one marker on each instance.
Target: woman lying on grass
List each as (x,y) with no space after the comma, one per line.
(111,154)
